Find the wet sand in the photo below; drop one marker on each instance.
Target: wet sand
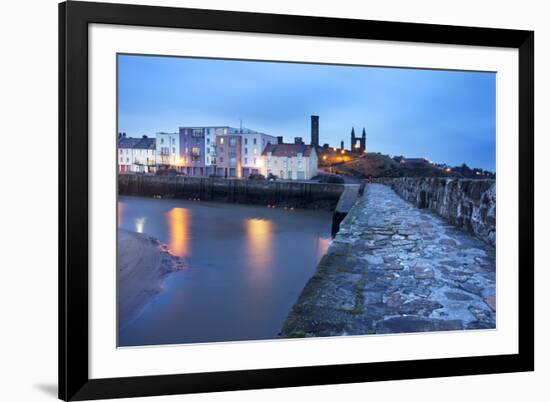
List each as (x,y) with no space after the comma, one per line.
(143,264)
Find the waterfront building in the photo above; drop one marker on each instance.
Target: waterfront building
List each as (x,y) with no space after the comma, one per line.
(290,161)
(252,145)
(137,155)
(168,150)
(228,156)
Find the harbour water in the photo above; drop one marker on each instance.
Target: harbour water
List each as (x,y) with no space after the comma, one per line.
(245,266)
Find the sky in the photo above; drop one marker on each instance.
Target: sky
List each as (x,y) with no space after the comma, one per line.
(445,116)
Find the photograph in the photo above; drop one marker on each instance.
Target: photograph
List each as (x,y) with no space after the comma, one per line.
(267,200)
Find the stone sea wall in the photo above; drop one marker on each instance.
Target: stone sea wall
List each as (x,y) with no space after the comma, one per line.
(261,192)
(466,203)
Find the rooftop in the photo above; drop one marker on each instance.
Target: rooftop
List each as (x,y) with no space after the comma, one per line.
(287,150)
(137,143)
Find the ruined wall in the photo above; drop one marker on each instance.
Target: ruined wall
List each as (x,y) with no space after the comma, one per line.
(261,192)
(467,203)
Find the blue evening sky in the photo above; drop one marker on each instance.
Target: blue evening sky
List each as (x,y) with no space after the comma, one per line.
(446,116)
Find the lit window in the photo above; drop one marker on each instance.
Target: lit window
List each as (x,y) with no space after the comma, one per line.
(221,139)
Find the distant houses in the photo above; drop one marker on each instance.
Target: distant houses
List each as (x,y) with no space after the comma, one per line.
(290,161)
(220,151)
(136,155)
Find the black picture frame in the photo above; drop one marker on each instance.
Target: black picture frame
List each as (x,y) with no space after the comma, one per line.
(74,18)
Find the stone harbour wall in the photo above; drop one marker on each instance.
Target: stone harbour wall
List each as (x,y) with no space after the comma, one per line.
(466,203)
(262,192)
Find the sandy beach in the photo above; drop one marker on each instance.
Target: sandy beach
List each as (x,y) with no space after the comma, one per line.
(143,264)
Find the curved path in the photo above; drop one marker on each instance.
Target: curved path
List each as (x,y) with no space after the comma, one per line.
(396,268)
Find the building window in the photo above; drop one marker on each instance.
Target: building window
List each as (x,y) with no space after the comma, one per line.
(221,159)
(232,142)
(120,151)
(208,140)
(246,161)
(221,139)
(162,140)
(254,141)
(246,151)
(173,140)
(173,150)
(255,151)
(246,141)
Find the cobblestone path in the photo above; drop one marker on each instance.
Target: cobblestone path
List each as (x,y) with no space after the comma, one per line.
(394,268)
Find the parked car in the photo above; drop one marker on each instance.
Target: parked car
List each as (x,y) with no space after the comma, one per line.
(256,176)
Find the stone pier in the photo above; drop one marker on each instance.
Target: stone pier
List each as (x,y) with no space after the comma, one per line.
(394,268)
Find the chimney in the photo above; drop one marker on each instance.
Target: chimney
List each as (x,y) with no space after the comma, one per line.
(298,140)
(280,139)
(315,131)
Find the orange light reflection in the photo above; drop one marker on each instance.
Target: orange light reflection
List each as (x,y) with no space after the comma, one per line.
(120,210)
(259,233)
(322,246)
(179,220)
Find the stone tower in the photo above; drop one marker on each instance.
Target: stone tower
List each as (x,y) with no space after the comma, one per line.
(315,131)
(353,140)
(364,141)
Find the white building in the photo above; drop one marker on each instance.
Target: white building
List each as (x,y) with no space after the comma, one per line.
(136,155)
(290,161)
(252,146)
(168,150)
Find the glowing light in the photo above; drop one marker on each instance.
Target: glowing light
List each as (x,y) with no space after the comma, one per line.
(140,223)
(259,234)
(343,151)
(179,220)
(356,146)
(324,157)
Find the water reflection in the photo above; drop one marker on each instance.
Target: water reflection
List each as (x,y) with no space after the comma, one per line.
(179,221)
(322,246)
(140,223)
(120,210)
(259,233)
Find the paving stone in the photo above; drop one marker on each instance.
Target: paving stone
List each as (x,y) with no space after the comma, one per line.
(396,268)
(423,272)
